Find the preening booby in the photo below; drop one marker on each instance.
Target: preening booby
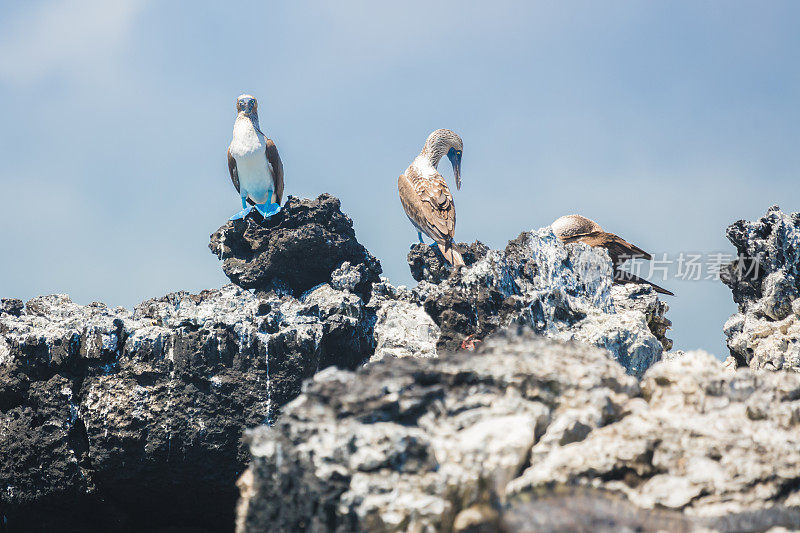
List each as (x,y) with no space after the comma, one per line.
(575,228)
(253,161)
(425,196)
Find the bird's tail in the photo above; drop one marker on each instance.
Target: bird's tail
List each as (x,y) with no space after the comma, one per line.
(627,277)
(450,253)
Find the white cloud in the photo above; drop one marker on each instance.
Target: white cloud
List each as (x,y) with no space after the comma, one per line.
(58,36)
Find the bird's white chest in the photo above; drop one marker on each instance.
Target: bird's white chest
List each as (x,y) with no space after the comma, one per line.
(255,173)
(247,140)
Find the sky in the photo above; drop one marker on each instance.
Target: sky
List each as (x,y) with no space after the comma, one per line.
(663,121)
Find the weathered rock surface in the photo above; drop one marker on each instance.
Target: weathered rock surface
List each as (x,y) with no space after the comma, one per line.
(300,247)
(131,420)
(765,281)
(119,419)
(482,441)
(633,298)
(403,329)
(427,262)
(560,291)
(11,306)
(112,419)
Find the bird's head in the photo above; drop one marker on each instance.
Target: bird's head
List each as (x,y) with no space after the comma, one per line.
(570,225)
(247,104)
(442,142)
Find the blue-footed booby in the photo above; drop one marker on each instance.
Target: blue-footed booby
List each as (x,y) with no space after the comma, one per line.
(253,161)
(577,228)
(425,196)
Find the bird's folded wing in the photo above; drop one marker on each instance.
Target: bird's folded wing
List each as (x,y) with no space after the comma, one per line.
(277,168)
(235,175)
(428,202)
(233,171)
(621,250)
(618,248)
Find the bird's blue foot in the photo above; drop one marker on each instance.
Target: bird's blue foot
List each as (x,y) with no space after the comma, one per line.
(243,213)
(433,244)
(419,236)
(268,209)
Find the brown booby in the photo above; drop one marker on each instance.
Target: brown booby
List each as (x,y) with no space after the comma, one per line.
(253,162)
(577,228)
(425,196)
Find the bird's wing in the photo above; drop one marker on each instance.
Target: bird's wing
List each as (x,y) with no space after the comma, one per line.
(618,248)
(620,251)
(277,168)
(233,171)
(429,204)
(235,175)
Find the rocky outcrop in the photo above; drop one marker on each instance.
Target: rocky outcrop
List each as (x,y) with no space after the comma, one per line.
(131,420)
(634,298)
(119,419)
(493,440)
(765,281)
(560,291)
(113,419)
(299,248)
(11,306)
(428,264)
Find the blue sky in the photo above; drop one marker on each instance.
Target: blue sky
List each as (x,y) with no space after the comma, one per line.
(663,121)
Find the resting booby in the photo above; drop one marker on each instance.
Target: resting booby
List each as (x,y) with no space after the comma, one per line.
(253,161)
(425,196)
(576,228)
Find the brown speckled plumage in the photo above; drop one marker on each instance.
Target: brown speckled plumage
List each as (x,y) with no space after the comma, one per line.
(427,199)
(577,228)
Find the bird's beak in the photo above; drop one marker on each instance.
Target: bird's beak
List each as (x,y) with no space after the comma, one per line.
(455,159)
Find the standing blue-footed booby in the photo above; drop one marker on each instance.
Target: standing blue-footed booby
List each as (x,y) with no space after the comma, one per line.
(577,228)
(253,161)
(426,197)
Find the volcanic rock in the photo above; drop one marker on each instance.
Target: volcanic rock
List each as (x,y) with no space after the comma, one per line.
(529,434)
(765,281)
(560,291)
(300,247)
(112,419)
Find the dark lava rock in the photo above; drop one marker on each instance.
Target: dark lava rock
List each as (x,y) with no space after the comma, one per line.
(427,262)
(473,311)
(562,291)
(474,305)
(765,282)
(12,306)
(463,308)
(767,246)
(301,247)
(112,420)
